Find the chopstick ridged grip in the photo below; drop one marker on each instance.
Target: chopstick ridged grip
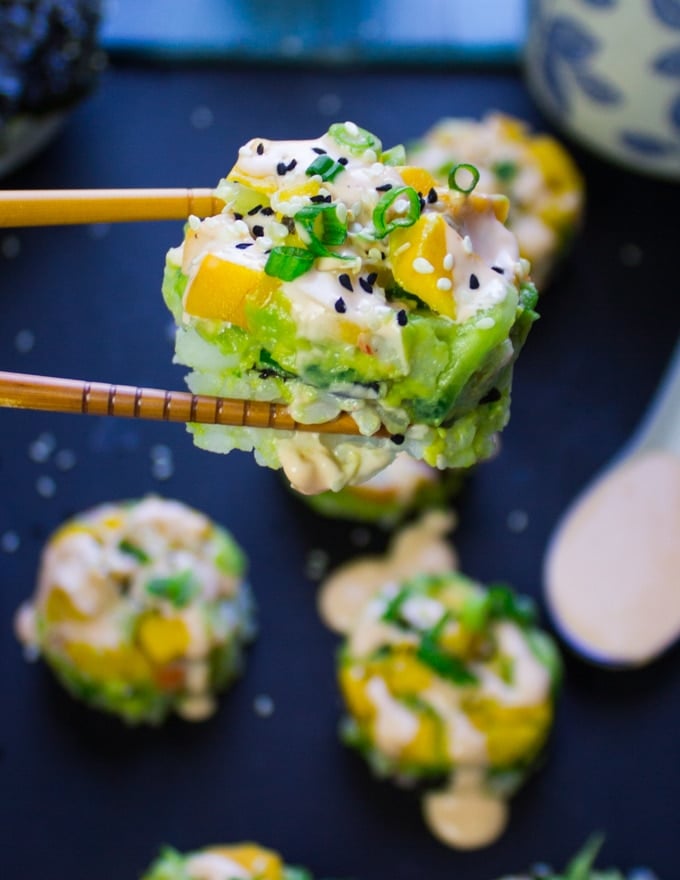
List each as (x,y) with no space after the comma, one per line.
(24,391)
(65,207)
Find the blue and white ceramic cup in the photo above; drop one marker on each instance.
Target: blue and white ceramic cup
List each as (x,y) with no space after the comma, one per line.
(607,72)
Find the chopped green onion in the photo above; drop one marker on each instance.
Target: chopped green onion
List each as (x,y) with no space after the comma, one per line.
(456,183)
(133,550)
(382,225)
(505,604)
(392,614)
(443,664)
(326,167)
(179,589)
(579,868)
(357,140)
(288,263)
(528,296)
(505,171)
(394,156)
(475,611)
(319,227)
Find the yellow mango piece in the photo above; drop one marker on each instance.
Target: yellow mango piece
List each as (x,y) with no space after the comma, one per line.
(512,732)
(60,608)
(109,664)
(426,747)
(403,673)
(260,862)
(353,687)
(426,240)
(555,163)
(163,639)
(68,529)
(420,179)
(308,189)
(265,185)
(220,289)
(511,128)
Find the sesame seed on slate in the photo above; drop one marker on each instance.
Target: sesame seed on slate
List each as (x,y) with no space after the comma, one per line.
(343,160)
(365,285)
(499,269)
(254,210)
(345,281)
(372,278)
(398,439)
(432,196)
(260,149)
(402,318)
(384,188)
(242,245)
(340,305)
(319,151)
(474,282)
(258,231)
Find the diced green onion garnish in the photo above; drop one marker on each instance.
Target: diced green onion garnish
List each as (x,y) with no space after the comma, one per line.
(179,589)
(505,171)
(579,868)
(392,614)
(319,227)
(443,664)
(475,611)
(326,167)
(382,225)
(133,550)
(505,604)
(288,263)
(459,174)
(357,140)
(528,296)
(394,156)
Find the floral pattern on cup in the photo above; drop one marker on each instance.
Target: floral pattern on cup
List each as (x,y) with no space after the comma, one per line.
(608,72)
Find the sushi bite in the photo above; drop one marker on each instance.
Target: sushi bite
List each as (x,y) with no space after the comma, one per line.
(404,487)
(242,861)
(446,682)
(582,867)
(536,173)
(338,279)
(141,609)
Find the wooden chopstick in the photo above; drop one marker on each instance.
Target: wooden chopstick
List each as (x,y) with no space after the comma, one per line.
(65,207)
(23,391)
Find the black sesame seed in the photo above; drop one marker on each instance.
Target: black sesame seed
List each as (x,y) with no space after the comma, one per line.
(242,245)
(384,188)
(260,149)
(291,165)
(319,200)
(345,281)
(499,269)
(265,374)
(474,282)
(432,196)
(340,305)
(267,212)
(281,169)
(372,278)
(374,386)
(398,439)
(254,210)
(365,285)
(422,202)
(238,216)
(342,160)
(289,223)
(402,318)
(491,396)
(319,151)
(258,231)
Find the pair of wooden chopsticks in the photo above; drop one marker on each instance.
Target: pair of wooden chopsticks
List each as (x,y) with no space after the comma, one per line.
(21,391)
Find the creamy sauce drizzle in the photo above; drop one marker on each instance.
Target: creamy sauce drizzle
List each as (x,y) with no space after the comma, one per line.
(612,570)
(416,549)
(465,815)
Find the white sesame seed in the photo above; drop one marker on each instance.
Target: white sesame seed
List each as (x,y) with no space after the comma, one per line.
(241,227)
(485,323)
(422,266)
(264,242)
(45,486)
(194,222)
(448,262)
(370,156)
(401,205)
(328,105)
(65,459)
(374,255)
(42,447)
(444,284)
(352,128)
(341,212)
(467,245)
(201,117)
(10,247)
(10,541)
(263,705)
(517,521)
(24,341)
